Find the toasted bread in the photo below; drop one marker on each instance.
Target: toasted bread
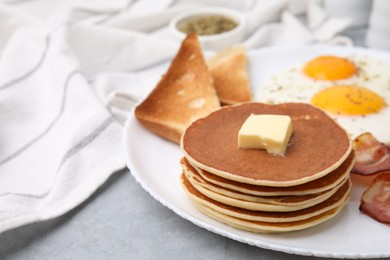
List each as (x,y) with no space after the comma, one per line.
(184,94)
(229,69)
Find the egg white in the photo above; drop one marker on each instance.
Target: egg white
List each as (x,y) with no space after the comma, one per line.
(293,85)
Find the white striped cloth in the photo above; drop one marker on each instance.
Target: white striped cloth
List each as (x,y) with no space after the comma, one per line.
(58,143)
(69,73)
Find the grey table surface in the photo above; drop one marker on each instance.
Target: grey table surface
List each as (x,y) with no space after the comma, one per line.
(122,221)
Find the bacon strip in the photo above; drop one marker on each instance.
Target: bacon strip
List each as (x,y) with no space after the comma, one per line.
(372,156)
(375,201)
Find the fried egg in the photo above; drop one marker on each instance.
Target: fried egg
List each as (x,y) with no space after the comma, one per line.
(353,90)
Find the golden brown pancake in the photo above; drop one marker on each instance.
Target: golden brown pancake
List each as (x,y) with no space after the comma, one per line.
(318,146)
(334,201)
(261,221)
(270,227)
(322,184)
(238,198)
(291,203)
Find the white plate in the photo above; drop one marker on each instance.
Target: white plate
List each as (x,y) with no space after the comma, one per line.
(154,163)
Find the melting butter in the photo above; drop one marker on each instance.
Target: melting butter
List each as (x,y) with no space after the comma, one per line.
(269,132)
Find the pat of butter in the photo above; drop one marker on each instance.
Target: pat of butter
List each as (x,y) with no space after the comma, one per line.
(269,132)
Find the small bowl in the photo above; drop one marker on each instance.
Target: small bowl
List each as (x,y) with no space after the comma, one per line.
(214,42)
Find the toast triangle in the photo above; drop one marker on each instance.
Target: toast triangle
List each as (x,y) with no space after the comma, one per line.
(229,69)
(185,93)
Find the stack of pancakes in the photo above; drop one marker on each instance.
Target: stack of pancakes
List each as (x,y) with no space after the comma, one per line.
(253,190)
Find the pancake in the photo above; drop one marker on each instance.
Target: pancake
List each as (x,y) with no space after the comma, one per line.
(260,221)
(270,227)
(324,183)
(224,194)
(334,201)
(273,205)
(210,143)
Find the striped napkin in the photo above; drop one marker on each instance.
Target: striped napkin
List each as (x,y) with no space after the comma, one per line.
(58,139)
(70,72)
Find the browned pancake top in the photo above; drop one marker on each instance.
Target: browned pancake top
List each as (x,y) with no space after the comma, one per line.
(316,146)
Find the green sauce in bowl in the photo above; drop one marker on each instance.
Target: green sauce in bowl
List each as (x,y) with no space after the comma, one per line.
(207,24)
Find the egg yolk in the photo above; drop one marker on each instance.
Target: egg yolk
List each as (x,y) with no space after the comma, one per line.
(348,100)
(329,68)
